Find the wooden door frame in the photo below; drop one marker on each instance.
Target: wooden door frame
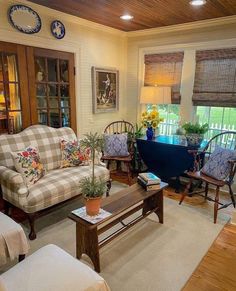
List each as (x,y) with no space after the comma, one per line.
(19,50)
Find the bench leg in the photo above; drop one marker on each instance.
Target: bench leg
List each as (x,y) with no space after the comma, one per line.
(87,243)
(31,218)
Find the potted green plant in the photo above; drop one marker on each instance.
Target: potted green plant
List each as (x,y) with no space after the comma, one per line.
(194,133)
(91,187)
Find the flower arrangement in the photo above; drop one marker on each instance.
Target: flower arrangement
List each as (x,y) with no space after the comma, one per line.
(151,118)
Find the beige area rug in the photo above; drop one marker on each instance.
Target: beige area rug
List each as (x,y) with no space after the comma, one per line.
(149,256)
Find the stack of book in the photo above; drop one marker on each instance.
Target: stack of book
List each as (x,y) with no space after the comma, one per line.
(149,181)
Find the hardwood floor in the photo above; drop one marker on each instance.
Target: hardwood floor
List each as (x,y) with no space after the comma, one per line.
(217,270)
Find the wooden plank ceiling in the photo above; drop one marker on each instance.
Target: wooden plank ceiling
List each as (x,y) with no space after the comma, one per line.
(146,13)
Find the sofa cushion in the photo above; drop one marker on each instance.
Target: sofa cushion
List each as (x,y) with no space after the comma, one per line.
(46,139)
(59,185)
(27,163)
(52,269)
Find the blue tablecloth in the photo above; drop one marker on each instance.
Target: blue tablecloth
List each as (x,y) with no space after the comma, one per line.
(166,156)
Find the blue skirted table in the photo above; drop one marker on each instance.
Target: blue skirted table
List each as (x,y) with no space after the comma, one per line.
(166,156)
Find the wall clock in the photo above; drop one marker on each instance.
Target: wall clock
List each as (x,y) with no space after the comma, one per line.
(24,19)
(58,29)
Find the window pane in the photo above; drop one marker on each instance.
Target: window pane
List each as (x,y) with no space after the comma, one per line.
(10,67)
(1,69)
(229,120)
(40,71)
(52,90)
(65,117)
(52,70)
(41,102)
(3,122)
(2,98)
(14,122)
(65,102)
(13,97)
(54,118)
(64,90)
(41,90)
(64,71)
(42,117)
(53,103)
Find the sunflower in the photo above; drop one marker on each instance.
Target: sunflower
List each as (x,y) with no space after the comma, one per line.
(145,124)
(154,107)
(154,124)
(144,114)
(153,115)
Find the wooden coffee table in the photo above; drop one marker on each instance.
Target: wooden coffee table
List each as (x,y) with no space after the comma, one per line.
(121,205)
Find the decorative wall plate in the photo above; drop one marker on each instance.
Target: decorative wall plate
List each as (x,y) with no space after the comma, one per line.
(24,19)
(58,29)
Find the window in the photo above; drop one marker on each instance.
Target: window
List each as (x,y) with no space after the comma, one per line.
(170,113)
(166,70)
(219,119)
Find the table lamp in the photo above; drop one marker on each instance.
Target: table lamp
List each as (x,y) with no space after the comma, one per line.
(155,95)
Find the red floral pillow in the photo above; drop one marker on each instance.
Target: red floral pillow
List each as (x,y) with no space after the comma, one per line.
(27,163)
(72,155)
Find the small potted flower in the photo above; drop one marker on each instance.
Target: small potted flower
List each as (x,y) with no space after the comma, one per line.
(92,188)
(194,133)
(151,121)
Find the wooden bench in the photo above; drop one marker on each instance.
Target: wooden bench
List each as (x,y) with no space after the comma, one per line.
(121,205)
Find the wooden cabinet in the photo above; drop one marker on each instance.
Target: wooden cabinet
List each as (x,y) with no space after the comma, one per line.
(37,86)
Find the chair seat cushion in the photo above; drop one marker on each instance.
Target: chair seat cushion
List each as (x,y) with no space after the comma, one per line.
(59,185)
(218,165)
(52,269)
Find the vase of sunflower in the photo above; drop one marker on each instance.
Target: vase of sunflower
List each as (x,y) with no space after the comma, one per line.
(151,120)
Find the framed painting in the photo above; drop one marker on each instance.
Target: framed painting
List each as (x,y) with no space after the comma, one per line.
(105,86)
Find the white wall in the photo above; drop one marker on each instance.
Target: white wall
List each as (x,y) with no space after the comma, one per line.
(93,45)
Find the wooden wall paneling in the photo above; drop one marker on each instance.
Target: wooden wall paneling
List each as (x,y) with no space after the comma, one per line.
(31,85)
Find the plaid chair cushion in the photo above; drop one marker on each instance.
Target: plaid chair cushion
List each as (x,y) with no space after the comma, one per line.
(59,185)
(46,139)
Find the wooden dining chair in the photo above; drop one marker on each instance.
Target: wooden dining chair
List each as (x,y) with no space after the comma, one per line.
(118,127)
(226,140)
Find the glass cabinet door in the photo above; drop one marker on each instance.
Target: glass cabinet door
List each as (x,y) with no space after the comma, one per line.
(54,88)
(10,100)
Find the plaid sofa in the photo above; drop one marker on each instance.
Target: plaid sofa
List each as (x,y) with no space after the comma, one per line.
(57,185)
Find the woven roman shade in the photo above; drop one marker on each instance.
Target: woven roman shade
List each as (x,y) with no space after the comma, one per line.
(165,70)
(215,78)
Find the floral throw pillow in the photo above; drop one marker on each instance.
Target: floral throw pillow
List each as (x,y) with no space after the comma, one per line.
(218,165)
(116,145)
(27,163)
(72,155)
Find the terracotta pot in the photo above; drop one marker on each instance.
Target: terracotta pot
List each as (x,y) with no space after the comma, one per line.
(93,205)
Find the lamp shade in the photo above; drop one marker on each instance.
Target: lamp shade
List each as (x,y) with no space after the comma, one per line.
(155,95)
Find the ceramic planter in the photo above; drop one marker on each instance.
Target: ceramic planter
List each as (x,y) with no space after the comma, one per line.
(93,205)
(194,139)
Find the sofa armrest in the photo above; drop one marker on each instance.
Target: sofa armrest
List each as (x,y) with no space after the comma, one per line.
(12,183)
(11,176)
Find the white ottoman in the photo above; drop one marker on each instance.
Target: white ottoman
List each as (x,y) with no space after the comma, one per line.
(13,242)
(51,269)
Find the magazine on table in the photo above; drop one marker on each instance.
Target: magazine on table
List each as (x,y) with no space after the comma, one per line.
(81,212)
(149,178)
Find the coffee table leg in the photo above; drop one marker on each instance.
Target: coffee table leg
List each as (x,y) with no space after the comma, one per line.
(153,202)
(87,243)
(159,203)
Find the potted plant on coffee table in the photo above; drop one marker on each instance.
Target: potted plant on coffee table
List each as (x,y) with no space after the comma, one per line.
(91,187)
(195,133)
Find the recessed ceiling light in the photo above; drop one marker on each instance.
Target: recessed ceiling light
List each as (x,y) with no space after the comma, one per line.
(197,2)
(126,17)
